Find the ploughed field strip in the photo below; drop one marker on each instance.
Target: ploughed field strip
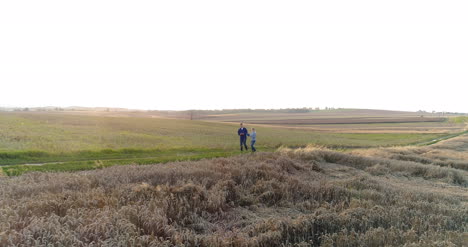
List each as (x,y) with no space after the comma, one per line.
(293,197)
(348,120)
(309,114)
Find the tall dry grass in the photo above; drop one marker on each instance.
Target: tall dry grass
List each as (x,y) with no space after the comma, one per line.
(451,153)
(302,197)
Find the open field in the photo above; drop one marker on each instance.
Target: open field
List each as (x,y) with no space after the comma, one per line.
(349,121)
(337,120)
(64,132)
(258,115)
(97,160)
(79,141)
(414,196)
(407,127)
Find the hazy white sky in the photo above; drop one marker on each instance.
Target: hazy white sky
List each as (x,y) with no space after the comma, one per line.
(401,55)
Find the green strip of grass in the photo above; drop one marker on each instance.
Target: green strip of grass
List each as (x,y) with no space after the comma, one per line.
(24,157)
(458,120)
(163,157)
(35,157)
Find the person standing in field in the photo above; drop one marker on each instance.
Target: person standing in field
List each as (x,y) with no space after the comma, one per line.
(243,133)
(253,139)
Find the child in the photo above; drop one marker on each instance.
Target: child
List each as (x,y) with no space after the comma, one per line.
(253,139)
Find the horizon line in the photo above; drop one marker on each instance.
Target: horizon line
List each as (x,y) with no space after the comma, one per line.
(219,109)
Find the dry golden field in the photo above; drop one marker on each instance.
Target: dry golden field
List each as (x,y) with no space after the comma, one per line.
(413,196)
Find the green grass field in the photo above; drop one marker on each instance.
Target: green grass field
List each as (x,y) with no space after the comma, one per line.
(79,142)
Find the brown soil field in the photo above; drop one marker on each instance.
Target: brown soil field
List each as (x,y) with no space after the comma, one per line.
(345,113)
(348,120)
(345,121)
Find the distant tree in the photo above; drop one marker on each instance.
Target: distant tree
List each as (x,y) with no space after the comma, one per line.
(191,114)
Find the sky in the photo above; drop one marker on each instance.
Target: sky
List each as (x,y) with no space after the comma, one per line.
(175,55)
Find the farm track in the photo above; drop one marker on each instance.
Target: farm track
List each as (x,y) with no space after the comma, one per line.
(444,138)
(108,159)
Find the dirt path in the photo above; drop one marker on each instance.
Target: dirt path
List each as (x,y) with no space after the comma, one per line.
(444,138)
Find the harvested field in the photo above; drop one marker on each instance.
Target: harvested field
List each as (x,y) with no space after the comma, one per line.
(348,120)
(311,114)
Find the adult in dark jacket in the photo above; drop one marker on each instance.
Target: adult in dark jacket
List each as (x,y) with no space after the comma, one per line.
(242,132)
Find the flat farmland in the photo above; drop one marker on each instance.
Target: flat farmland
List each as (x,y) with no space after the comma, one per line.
(348,121)
(63,132)
(308,114)
(407,127)
(338,121)
(57,141)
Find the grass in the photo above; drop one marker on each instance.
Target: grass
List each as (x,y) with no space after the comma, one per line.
(459,119)
(77,141)
(111,158)
(56,133)
(34,157)
(293,197)
(442,138)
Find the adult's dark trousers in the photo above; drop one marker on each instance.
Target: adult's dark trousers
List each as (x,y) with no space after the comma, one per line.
(243,143)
